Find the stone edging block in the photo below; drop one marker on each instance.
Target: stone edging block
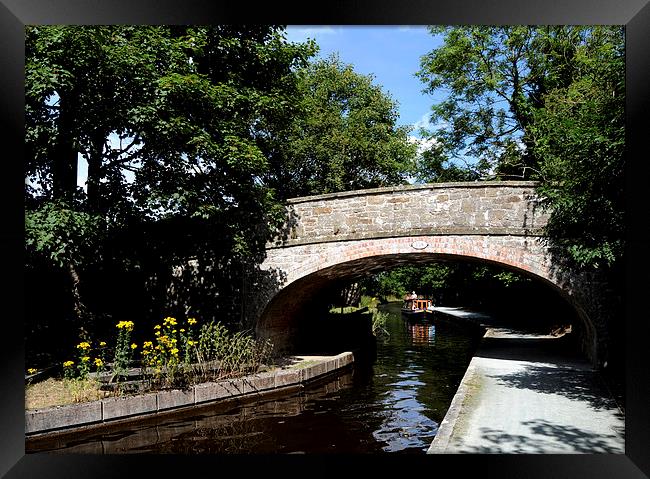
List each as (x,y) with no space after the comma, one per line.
(263,381)
(287,377)
(207,392)
(174,398)
(74,415)
(118,407)
(63,416)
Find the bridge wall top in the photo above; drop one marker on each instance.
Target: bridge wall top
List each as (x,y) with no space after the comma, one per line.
(474,208)
(416,187)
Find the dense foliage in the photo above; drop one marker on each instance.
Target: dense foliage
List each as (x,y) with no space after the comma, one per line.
(579,136)
(175,125)
(543,103)
(344,138)
(446,283)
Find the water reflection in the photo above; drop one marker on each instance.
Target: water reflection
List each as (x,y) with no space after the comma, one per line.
(422,333)
(405,426)
(391,402)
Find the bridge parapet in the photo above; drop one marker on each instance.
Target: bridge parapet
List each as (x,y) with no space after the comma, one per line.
(468,208)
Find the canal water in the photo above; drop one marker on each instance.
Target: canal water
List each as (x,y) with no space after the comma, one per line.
(391,402)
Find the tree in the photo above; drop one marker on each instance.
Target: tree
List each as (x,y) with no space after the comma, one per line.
(543,103)
(434,166)
(175,124)
(82,85)
(345,138)
(579,135)
(489,93)
(496,77)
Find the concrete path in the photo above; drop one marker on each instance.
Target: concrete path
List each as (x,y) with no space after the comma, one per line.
(524,393)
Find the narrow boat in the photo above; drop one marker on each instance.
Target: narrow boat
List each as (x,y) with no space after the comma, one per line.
(416,307)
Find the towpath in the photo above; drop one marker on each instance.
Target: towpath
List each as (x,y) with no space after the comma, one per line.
(527,393)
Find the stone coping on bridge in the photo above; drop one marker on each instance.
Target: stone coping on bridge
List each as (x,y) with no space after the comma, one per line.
(429,231)
(56,419)
(410,187)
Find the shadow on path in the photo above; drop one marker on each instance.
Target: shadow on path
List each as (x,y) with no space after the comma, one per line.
(551,369)
(546,438)
(573,384)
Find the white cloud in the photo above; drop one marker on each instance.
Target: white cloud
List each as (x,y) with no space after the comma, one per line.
(522,147)
(423,143)
(423,122)
(302,32)
(417,29)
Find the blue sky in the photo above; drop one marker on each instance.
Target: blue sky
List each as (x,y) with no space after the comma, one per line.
(390,53)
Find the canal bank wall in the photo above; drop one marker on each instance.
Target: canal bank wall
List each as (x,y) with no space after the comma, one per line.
(62,419)
(467,384)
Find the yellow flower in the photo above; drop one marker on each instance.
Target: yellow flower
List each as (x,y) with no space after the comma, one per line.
(191,343)
(128,325)
(157,326)
(147,344)
(102,344)
(32,371)
(67,364)
(169,321)
(174,351)
(84,345)
(85,359)
(134,346)
(191,321)
(182,330)
(98,362)
(173,331)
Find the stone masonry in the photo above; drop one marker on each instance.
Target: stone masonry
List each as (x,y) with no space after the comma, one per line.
(344,236)
(507,208)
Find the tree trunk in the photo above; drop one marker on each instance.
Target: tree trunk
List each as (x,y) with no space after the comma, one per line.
(81,314)
(351,295)
(94,172)
(65,155)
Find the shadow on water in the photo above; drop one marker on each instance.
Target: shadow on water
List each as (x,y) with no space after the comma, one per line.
(392,400)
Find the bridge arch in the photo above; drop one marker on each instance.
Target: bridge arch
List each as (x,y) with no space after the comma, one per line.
(347,235)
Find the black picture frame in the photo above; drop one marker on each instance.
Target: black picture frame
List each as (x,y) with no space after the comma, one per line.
(15,14)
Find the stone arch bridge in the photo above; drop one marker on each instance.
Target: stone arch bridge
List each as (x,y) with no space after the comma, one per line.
(345,236)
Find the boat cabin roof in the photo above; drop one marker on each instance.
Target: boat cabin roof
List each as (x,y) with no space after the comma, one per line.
(419,303)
